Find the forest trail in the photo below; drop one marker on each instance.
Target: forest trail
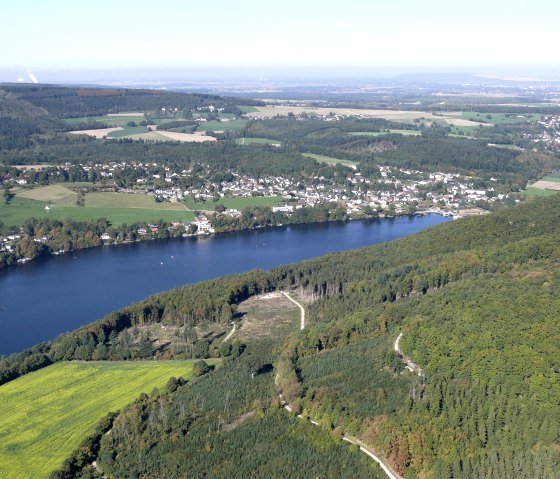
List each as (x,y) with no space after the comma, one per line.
(368,452)
(299,306)
(229,334)
(412,367)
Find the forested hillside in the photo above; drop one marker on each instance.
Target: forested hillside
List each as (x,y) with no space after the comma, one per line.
(477,303)
(71,102)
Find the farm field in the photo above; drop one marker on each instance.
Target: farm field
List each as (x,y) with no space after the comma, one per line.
(330,160)
(531,191)
(271,111)
(494,118)
(379,133)
(236,203)
(118,119)
(222,125)
(47,413)
(116,207)
(258,141)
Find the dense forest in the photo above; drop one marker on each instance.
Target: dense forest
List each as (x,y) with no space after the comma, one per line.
(476,301)
(69,102)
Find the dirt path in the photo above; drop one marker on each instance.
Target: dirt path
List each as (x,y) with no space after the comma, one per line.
(230,334)
(299,306)
(368,452)
(412,367)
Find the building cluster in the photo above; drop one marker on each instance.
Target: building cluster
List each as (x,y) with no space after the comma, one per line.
(549,135)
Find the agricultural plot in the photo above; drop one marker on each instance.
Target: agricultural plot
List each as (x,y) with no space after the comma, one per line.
(257,141)
(235,203)
(329,160)
(271,111)
(494,118)
(125,200)
(230,125)
(46,414)
(116,119)
(546,186)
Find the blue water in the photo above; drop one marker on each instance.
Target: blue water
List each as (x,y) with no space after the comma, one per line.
(42,299)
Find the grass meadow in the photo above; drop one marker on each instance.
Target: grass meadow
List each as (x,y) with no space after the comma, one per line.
(236,203)
(257,141)
(46,414)
(118,208)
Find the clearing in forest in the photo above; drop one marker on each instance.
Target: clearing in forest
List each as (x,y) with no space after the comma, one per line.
(267,315)
(48,413)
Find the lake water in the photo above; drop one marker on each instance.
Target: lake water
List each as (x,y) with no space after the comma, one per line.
(42,299)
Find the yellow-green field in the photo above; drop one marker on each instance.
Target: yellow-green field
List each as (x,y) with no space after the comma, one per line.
(46,414)
(118,208)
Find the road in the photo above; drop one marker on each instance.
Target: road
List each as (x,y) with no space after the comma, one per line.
(229,334)
(299,306)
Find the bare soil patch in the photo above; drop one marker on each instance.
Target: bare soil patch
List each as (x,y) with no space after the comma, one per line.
(98,133)
(546,185)
(196,137)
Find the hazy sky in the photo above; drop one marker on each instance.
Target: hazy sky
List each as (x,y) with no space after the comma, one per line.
(63,34)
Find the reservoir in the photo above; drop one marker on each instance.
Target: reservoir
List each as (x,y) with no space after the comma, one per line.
(53,295)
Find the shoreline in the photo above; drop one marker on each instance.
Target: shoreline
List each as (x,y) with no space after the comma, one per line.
(25,261)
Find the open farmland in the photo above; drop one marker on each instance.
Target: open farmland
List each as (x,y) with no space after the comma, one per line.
(98,133)
(257,141)
(114,119)
(46,414)
(270,111)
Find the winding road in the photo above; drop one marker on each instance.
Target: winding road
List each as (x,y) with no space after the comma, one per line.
(299,306)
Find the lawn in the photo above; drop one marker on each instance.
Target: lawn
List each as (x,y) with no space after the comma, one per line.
(236,203)
(257,141)
(115,207)
(330,160)
(46,414)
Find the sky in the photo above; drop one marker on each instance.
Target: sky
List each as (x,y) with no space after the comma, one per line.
(62,35)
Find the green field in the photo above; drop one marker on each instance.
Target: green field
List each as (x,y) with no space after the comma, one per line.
(495,118)
(107,119)
(257,141)
(127,131)
(330,160)
(379,133)
(118,208)
(538,192)
(46,414)
(236,203)
(552,177)
(247,109)
(222,125)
